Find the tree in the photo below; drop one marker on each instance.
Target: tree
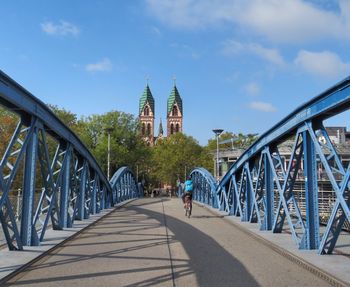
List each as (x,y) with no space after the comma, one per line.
(223,137)
(232,140)
(126,146)
(174,156)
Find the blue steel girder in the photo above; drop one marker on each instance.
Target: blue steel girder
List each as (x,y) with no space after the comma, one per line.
(311,237)
(9,225)
(325,105)
(233,195)
(64,217)
(204,187)
(72,185)
(124,186)
(52,175)
(27,229)
(287,201)
(267,184)
(12,158)
(59,175)
(246,192)
(81,199)
(256,186)
(341,210)
(241,193)
(237,205)
(259,178)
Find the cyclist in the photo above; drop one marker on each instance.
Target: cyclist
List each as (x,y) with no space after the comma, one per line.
(187,195)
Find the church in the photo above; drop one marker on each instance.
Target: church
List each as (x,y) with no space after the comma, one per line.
(147,115)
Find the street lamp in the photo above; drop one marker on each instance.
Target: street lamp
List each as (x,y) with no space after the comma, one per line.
(108,130)
(217,132)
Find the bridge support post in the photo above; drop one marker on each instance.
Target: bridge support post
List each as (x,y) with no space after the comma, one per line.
(93,200)
(248,194)
(311,238)
(232,194)
(27,229)
(104,198)
(63,216)
(269,196)
(81,197)
(214,199)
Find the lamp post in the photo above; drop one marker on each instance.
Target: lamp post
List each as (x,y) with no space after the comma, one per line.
(217,132)
(108,130)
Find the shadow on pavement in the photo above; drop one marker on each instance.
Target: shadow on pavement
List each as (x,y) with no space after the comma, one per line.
(211,263)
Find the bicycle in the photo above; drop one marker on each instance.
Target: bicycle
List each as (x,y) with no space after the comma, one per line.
(188,206)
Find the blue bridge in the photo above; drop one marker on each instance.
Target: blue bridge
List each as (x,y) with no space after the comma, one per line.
(249,229)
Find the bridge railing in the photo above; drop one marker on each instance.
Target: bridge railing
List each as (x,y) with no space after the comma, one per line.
(204,187)
(124,186)
(261,186)
(59,179)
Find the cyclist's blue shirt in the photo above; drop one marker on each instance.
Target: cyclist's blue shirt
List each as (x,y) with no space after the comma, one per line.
(188,186)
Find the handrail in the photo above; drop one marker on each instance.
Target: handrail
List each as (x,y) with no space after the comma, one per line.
(332,101)
(24,103)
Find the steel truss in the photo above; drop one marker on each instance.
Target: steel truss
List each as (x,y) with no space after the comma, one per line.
(124,186)
(259,188)
(44,153)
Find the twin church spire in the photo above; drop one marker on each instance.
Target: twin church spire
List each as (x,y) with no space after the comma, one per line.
(147,115)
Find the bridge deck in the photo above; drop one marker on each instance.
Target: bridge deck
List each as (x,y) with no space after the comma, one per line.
(149,242)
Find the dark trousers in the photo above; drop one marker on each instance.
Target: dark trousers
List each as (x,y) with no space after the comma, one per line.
(186,194)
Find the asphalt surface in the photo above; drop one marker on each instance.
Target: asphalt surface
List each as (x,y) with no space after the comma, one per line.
(149,242)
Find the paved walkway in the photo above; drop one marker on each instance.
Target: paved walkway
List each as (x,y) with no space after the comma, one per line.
(149,242)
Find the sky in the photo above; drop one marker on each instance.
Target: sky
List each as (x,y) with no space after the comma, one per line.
(239,65)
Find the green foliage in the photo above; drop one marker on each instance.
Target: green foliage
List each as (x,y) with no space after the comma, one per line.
(67,117)
(170,159)
(224,136)
(239,140)
(174,156)
(126,146)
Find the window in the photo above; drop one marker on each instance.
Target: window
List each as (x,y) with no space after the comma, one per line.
(171,129)
(148,129)
(175,112)
(143,129)
(177,129)
(146,111)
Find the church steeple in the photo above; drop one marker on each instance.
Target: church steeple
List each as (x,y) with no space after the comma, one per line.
(146,115)
(146,97)
(174,112)
(160,130)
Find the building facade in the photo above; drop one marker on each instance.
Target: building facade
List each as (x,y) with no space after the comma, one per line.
(174,113)
(147,115)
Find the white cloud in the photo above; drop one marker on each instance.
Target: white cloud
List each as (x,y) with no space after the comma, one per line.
(293,20)
(325,64)
(262,106)
(156,31)
(232,47)
(180,13)
(252,89)
(104,65)
(64,28)
(281,21)
(186,50)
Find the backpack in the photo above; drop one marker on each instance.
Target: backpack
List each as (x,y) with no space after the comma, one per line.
(188,186)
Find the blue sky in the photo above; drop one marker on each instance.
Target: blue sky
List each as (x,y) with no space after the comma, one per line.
(239,65)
